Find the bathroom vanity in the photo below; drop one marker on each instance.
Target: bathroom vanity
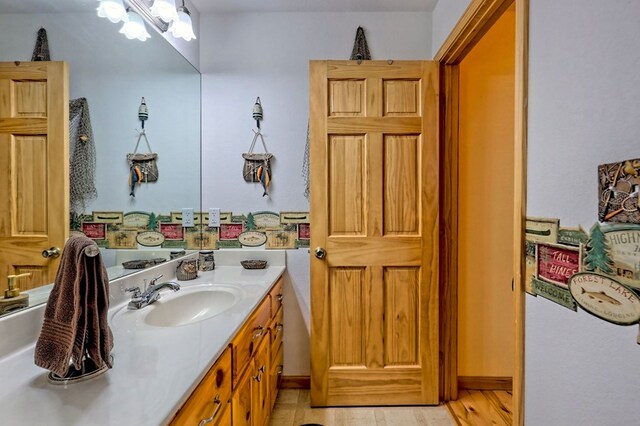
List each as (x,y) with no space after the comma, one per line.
(170,366)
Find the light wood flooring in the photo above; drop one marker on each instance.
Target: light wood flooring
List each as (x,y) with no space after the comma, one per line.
(292,409)
(473,408)
(479,408)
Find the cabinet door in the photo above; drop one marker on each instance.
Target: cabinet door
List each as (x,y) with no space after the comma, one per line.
(210,399)
(275,375)
(260,401)
(225,419)
(241,401)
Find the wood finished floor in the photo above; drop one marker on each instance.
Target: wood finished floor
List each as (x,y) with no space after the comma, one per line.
(474,408)
(292,409)
(479,408)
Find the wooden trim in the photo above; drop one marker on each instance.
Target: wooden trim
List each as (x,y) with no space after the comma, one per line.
(295,382)
(485,383)
(520,202)
(474,23)
(448,278)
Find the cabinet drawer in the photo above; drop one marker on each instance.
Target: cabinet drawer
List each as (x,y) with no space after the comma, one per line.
(276,331)
(247,340)
(276,296)
(210,399)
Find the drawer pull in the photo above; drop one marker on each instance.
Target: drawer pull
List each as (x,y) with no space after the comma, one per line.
(280,369)
(257,332)
(279,328)
(280,298)
(216,400)
(262,369)
(257,377)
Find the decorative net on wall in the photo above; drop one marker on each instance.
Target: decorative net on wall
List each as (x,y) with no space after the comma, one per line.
(360,52)
(83,158)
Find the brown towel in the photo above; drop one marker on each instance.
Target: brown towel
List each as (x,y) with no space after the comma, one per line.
(75,319)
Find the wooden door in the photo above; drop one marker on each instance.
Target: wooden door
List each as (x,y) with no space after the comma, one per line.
(374,207)
(34,168)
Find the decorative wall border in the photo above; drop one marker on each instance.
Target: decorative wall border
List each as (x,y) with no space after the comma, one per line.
(139,229)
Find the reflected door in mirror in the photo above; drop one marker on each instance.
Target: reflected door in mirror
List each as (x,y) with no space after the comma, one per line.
(34,168)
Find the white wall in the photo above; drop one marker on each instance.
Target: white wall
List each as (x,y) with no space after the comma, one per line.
(248,55)
(445,16)
(584,103)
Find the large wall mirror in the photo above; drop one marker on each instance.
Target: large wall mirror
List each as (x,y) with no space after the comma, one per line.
(114,74)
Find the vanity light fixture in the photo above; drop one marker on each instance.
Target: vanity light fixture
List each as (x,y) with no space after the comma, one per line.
(165,10)
(182,27)
(133,27)
(163,15)
(113,10)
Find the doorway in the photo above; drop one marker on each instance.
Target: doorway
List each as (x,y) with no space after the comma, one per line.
(483,145)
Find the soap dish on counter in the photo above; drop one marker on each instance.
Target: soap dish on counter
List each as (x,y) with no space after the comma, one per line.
(253,264)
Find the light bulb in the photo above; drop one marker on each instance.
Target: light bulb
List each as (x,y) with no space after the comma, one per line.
(133,27)
(165,10)
(182,27)
(113,10)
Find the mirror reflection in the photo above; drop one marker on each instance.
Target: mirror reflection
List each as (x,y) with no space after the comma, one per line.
(130,221)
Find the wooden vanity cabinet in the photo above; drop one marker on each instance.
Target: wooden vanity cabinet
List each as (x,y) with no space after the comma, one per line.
(252,367)
(211,400)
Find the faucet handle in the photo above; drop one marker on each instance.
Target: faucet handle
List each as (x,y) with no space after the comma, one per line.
(155,279)
(135,290)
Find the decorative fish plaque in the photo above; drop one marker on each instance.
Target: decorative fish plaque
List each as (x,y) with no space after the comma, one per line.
(605,298)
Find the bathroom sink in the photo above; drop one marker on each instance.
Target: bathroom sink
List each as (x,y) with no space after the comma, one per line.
(191,305)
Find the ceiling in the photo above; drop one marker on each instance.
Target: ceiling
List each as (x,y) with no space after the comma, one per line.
(205,6)
(46,6)
(208,6)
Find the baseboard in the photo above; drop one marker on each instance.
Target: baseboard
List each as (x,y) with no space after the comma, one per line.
(295,382)
(485,383)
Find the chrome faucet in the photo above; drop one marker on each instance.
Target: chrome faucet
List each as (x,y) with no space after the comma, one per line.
(151,294)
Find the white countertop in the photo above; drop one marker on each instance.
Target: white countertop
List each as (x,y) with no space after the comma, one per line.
(154,369)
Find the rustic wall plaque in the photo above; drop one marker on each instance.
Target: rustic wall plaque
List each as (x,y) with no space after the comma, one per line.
(556,294)
(556,264)
(605,298)
(542,229)
(618,185)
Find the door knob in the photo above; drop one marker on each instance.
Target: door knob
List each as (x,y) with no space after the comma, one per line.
(320,252)
(53,252)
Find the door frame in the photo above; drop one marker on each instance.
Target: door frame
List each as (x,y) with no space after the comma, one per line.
(478,18)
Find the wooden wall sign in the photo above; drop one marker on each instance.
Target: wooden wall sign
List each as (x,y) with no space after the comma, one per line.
(622,249)
(572,236)
(605,298)
(556,264)
(556,294)
(543,230)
